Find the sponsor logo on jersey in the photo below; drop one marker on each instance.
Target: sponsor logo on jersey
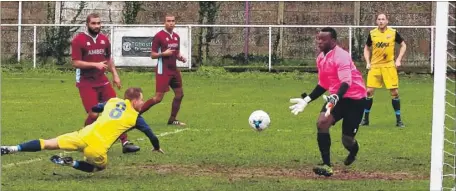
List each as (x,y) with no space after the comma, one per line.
(381,44)
(173,45)
(96,51)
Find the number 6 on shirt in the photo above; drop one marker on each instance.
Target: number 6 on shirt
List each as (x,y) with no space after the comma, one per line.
(118,110)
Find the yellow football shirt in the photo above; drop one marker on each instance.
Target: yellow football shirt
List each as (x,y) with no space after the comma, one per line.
(117,117)
(383,44)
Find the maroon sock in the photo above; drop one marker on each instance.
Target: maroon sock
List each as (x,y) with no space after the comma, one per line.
(175,109)
(123,138)
(89,120)
(148,104)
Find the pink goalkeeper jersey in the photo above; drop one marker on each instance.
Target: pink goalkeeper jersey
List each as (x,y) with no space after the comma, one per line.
(337,67)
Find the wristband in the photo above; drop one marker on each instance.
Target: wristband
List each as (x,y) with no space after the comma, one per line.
(306,97)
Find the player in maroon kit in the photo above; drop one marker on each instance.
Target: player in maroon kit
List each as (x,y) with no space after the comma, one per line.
(91,55)
(165,48)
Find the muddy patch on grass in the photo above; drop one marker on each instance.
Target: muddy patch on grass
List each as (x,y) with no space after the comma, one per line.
(272,172)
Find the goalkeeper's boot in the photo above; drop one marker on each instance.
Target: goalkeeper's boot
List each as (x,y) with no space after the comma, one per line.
(350,159)
(8,150)
(130,148)
(323,169)
(364,122)
(64,161)
(400,124)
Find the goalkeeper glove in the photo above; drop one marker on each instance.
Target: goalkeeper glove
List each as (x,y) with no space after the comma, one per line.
(299,104)
(331,103)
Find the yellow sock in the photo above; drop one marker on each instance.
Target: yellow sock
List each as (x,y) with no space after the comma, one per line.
(42,144)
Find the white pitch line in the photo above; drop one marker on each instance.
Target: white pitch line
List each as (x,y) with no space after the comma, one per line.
(232,103)
(32,79)
(22,162)
(246,129)
(66,152)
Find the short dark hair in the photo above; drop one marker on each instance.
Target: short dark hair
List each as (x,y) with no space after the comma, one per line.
(92,15)
(168,15)
(133,93)
(331,31)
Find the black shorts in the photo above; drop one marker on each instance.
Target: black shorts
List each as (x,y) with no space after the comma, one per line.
(351,111)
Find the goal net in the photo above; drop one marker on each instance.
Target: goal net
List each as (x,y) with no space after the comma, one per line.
(443,159)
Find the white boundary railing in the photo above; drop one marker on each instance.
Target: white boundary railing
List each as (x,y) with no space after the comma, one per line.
(191,26)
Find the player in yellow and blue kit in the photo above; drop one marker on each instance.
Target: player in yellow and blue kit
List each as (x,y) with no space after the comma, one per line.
(116,116)
(382,67)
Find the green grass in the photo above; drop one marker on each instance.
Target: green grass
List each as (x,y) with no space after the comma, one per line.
(218,150)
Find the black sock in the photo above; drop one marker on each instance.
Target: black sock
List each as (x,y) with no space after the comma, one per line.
(31,146)
(83,166)
(324,143)
(397,108)
(353,149)
(369,102)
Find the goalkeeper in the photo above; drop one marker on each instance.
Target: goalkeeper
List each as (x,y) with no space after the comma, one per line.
(338,74)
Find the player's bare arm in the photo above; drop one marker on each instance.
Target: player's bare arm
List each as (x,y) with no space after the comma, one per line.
(367,52)
(181,58)
(367,56)
(167,53)
(401,54)
(87,65)
(115,75)
(399,40)
(112,67)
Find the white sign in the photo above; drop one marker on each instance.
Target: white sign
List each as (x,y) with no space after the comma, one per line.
(131,46)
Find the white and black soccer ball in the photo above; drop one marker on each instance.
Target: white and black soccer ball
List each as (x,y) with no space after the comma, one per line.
(259,120)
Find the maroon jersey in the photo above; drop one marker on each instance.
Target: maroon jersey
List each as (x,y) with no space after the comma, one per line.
(86,48)
(162,42)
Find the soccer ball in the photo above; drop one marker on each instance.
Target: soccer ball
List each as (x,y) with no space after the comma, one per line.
(259,120)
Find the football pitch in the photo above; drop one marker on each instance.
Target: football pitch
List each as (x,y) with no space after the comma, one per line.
(218,150)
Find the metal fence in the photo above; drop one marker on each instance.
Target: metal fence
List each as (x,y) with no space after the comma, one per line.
(230,42)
